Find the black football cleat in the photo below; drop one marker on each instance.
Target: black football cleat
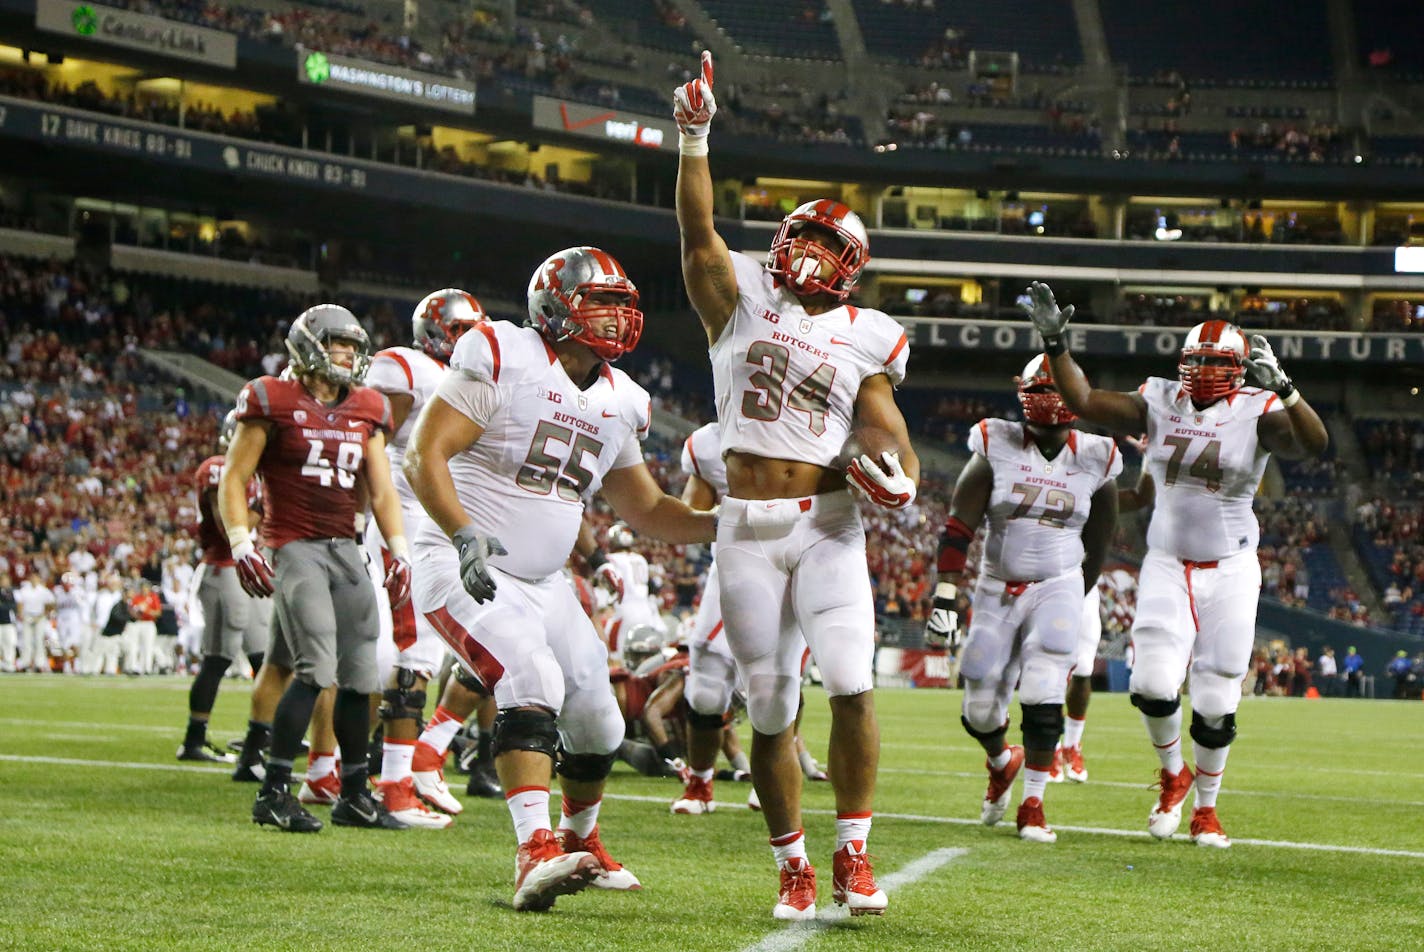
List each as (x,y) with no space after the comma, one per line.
(364,810)
(249,773)
(284,812)
(484,782)
(205,753)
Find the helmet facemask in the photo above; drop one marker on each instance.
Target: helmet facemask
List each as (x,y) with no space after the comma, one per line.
(799,259)
(441,318)
(1039,397)
(560,304)
(310,338)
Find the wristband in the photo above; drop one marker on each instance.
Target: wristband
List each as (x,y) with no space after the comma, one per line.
(1291,398)
(360,524)
(946,591)
(398,546)
(1054,347)
(691,145)
(238,536)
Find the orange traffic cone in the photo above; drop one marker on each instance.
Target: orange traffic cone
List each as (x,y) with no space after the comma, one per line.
(1312,693)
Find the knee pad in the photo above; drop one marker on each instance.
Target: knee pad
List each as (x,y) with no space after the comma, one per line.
(997,734)
(1214,737)
(1155,707)
(711,696)
(526,729)
(402,702)
(704,722)
(589,768)
(1042,725)
(771,702)
(469,682)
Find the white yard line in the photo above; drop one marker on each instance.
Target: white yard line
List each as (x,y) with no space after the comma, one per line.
(797,934)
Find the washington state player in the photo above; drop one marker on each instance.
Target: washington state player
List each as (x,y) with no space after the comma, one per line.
(1208,441)
(232,619)
(792,364)
(310,438)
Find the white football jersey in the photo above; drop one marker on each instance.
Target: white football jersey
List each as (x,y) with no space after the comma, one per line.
(545,449)
(67,601)
(1038,506)
(786,381)
(634,570)
(1207,466)
(702,457)
(405,370)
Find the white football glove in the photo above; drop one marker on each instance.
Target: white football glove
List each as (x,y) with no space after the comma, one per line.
(692,104)
(1048,320)
(888,488)
(1263,368)
(943,623)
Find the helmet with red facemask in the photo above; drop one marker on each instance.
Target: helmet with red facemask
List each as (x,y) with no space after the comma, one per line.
(1039,397)
(798,259)
(441,317)
(1212,365)
(560,309)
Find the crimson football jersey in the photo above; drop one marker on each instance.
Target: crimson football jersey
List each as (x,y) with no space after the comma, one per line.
(212,540)
(313,456)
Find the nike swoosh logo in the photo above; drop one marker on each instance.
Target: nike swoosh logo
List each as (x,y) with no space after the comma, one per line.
(608,415)
(841,341)
(368,817)
(526,805)
(285,822)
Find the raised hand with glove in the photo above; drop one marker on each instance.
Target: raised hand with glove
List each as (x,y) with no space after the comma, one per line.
(1047,318)
(475,550)
(693,107)
(1263,369)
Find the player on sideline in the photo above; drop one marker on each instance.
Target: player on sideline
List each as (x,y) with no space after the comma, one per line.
(530,421)
(634,606)
(229,625)
(712,673)
(412,761)
(1048,493)
(792,365)
(311,438)
(1208,441)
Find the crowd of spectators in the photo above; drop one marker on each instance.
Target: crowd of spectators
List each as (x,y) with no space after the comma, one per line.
(1253,314)
(1394,449)
(1392,316)
(1390,536)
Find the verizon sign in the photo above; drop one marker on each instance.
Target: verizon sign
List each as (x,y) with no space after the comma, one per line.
(607,125)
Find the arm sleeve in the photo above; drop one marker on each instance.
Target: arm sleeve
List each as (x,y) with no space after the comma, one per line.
(390,373)
(630,454)
(473,395)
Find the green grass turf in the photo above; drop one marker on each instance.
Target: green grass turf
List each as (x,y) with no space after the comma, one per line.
(95,856)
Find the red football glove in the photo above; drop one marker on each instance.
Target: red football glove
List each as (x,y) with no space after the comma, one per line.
(888,486)
(611,579)
(692,104)
(398,581)
(254,572)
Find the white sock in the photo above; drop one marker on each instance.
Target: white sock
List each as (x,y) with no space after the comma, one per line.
(1166,734)
(1035,782)
(852,826)
(529,808)
(704,775)
(580,816)
(396,756)
(440,731)
(1073,731)
(319,765)
(1211,763)
(997,761)
(741,763)
(788,847)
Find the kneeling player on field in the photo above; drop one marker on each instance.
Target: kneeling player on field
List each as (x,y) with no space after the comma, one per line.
(1051,502)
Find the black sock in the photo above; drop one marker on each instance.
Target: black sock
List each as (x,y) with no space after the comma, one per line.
(197,734)
(351,723)
(259,736)
(484,745)
(205,686)
(255,659)
(294,714)
(279,775)
(354,779)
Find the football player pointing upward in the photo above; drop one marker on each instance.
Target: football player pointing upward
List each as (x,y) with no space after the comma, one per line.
(1208,440)
(792,365)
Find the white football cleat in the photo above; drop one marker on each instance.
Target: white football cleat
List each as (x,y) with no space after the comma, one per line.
(1001,785)
(1166,816)
(543,872)
(403,804)
(797,899)
(1055,772)
(1073,765)
(1206,829)
(1032,826)
(853,882)
(323,790)
(611,874)
(696,798)
(430,786)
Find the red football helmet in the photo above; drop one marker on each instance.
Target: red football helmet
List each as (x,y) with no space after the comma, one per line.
(1212,365)
(558,292)
(441,318)
(797,260)
(1039,397)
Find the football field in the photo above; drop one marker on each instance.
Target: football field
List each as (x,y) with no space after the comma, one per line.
(106,842)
